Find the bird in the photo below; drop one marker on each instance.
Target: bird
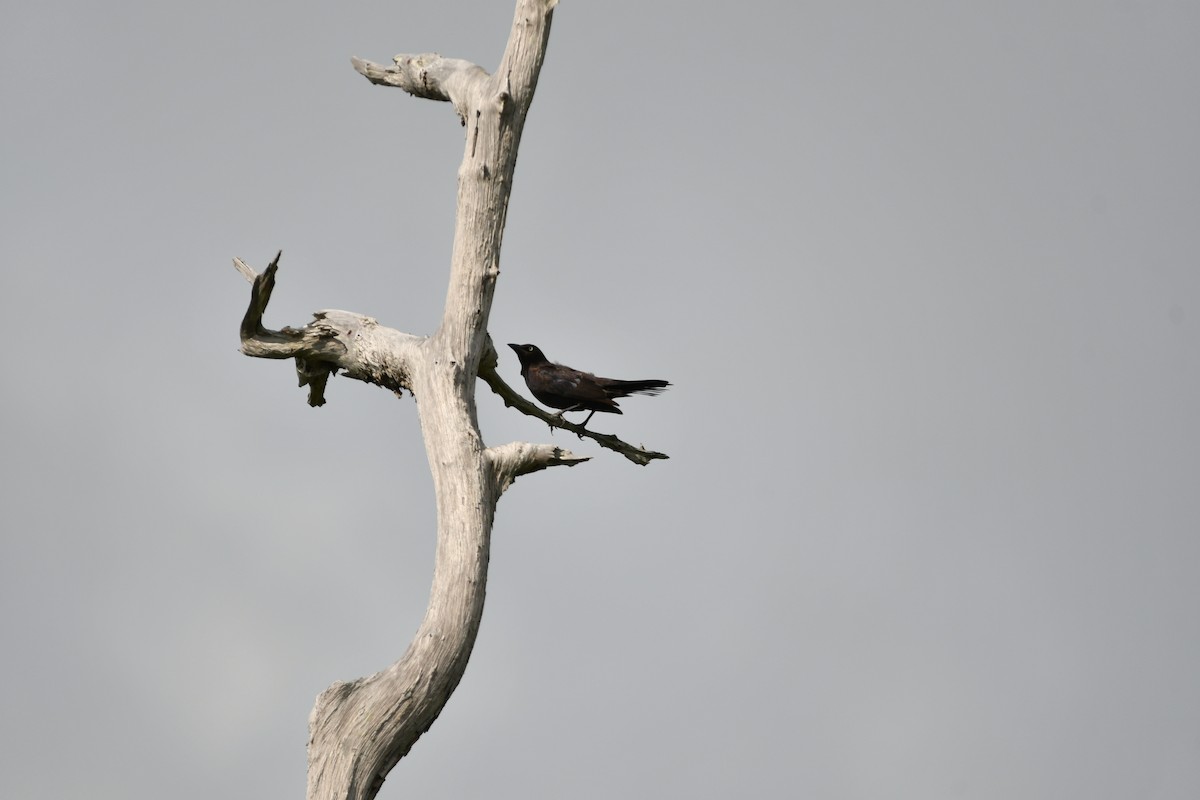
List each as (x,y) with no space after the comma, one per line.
(569,389)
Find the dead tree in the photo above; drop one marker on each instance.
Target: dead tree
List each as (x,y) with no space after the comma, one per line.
(360,729)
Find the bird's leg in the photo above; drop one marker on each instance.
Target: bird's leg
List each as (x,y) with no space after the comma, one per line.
(564,419)
(576,407)
(572,408)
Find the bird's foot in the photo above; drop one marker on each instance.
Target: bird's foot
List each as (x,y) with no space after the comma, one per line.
(583,425)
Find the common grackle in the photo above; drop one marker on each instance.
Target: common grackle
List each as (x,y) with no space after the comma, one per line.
(571,390)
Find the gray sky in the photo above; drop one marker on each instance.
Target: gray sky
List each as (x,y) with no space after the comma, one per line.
(926,280)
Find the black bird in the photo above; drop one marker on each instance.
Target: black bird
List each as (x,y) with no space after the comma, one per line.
(571,390)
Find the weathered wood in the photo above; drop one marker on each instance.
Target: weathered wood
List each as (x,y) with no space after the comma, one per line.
(360,729)
(335,340)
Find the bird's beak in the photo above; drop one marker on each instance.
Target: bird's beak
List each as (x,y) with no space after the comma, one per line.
(514,346)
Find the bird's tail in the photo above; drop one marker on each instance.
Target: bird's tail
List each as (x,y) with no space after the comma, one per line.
(623,388)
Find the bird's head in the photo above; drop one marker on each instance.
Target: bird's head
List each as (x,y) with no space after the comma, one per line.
(529,354)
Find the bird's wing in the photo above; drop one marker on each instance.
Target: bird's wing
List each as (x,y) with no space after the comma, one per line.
(579,386)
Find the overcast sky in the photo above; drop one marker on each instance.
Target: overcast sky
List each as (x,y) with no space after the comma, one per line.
(926,280)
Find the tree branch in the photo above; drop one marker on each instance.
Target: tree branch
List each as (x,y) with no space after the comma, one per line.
(335,340)
(428,76)
(512,460)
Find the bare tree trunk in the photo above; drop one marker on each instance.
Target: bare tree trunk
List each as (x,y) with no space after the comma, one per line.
(360,729)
